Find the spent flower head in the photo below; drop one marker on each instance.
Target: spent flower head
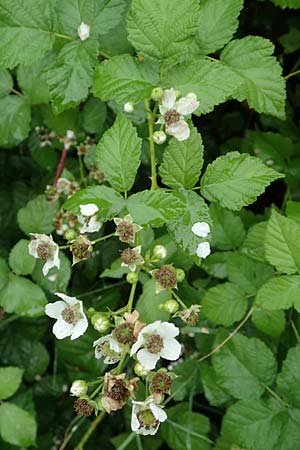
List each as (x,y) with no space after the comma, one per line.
(43,247)
(81,249)
(165,278)
(126,229)
(116,391)
(131,258)
(108,348)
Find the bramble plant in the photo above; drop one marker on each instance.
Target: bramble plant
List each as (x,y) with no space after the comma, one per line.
(167,270)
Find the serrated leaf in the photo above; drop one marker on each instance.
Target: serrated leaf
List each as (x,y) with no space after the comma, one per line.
(244,366)
(293,211)
(154,207)
(70,79)
(291,40)
(224,304)
(213,392)
(236,180)
(216,264)
(293,4)
(123,79)
(287,381)
(211,81)
(282,245)
(162,30)
(37,216)
(253,245)
(280,293)
(182,162)
(228,231)
(262,83)
(94,115)
(22,297)
(6,82)
(21,262)
(118,154)
(218,23)
(15,120)
(195,210)
(4,273)
(17,426)
(25,37)
(269,322)
(10,380)
(148,303)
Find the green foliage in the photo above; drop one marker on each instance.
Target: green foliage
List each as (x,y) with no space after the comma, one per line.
(17,111)
(21,262)
(10,380)
(17,426)
(37,216)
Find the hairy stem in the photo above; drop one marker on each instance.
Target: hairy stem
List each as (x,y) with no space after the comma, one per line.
(60,166)
(152,146)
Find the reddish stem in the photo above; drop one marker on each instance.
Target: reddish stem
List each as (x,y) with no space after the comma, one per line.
(60,166)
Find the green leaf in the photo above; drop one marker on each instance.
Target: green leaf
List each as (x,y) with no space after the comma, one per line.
(6,82)
(282,245)
(182,162)
(218,23)
(69,81)
(94,115)
(291,40)
(21,262)
(224,304)
(152,35)
(10,380)
(253,245)
(148,303)
(109,202)
(17,427)
(269,322)
(15,120)
(185,429)
(244,366)
(293,4)
(154,207)
(24,36)
(228,231)
(213,392)
(218,82)
(118,154)
(280,293)
(216,264)
(57,279)
(293,211)
(195,210)
(288,380)
(4,273)
(236,180)
(60,123)
(37,216)
(123,79)
(22,297)
(262,83)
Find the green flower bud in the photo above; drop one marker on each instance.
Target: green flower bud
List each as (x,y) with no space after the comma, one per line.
(100,322)
(70,234)
(157,94)
(159,137)
(132,277)
(159,252)
(171,306)
(180,275)
(140,370)
(79,388)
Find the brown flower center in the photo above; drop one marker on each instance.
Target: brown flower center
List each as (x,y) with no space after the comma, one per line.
(124,333)
(161,383)
(81,250)
(125,232)
(128,256)
(118,391)
(69,315)
(172,116)
(147,419)
(154,343)
(166,277)
(44,251)
(82,407)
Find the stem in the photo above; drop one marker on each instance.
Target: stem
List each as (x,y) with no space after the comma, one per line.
(212,59)
(240,325)
(77,422)
(102,289)
(81,170)
(131,297)
(63,36)
(276,396)
(297,72)
(10,319)
(295,330)
(179,300)
(16,92)
(103,238)
(60,166)
(90,431)
(152,146)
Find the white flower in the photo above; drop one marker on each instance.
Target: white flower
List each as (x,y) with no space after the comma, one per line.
(63,186)
(70,135)
(108,348)
(146,417)
(173,112)
(83,31)
(201,229)
(78,388)
(131,258)
(159,137)
(203,250)
(158,341)
(128,107)
(43,247)
(71,320)
(88,218)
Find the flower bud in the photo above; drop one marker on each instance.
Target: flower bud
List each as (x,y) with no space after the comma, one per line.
(159,137)
(192,95)
(171,306)
(160,252)
(128,107)
(140,370)
(83,31)
(132,277)
(157,94)
(79,388)
(70,234)
(180,275)
(100,322)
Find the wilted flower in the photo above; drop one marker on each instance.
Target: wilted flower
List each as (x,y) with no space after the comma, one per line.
(160,384)
(146,417)
(116,391)
(108,348)
(63,186)
(201,229)
(157,341)
(131,258)
(71,320)
(165,278)
(43,247)
(126,333)
(128,107)
(78,388)
(69,139)
(84,406)
(83,31)
(173,112)
(88,218)
(126,229)
(190,315)
(203,250)
(81,249)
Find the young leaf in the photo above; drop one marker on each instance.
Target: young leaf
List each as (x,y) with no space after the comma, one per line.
(236,180)
(15,120)
(10,380)
(213,392)
(21,262)
(228,231)
(287,381)
(218,23)
(182,162)
(17,427)
(123,79)
(280,293)
(282,245)
(269,322)
(262,83)
(24,36)
(37,216)
(163,30)
(118,154)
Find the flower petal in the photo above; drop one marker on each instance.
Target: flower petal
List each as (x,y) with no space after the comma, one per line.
(70,300)
(91,226)
(201,229)
(135,424)
(167,330)
(158,412)
(171,350)
(62,329)
(186,105)
(203,250)
(89,209)
(47,266)
(180,130)
(169,98)
(140,341)
(54,309)
(148,359)
(32,247)
(80,328)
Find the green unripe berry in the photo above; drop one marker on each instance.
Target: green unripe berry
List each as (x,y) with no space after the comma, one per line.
(70,234)
(100,322)
(171,306)
(157,94)
(132,277)
(180,275)
(159,252)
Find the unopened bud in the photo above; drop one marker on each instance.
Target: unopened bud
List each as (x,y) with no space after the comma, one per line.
(180,275)
(132,277)
(140,370)
(79,388)
(100,322)
(159,137)
(157,94)
(160,252)
(128,107)
(171,306)
(70,234)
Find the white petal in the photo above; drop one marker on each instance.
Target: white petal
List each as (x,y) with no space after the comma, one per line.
(114,345)
(148,359)
(179,130)
(201,229)
(171,350)
(62,329)
(80,328)
(186,105)
(203,250)
(89,210)
(169,98)
(167,330)
(83,31)
(158,412)
(47,266)
(135,424)
(128,218)
(54,309)
(70,300)
(32,247)
(140,341)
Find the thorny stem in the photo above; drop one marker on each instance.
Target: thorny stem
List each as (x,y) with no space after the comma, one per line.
(240,325)
(152,146)
(292,74)
(61,164)
(90,431)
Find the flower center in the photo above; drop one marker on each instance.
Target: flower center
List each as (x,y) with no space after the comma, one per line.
(125,232)
(147,419)
(166,277)
(69,315)
(81,250)
(107,351)
(82,407)
(118,391)
(124,333)
(154,343)
(44,251)
(128,256)
(161,383)
(172,116)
